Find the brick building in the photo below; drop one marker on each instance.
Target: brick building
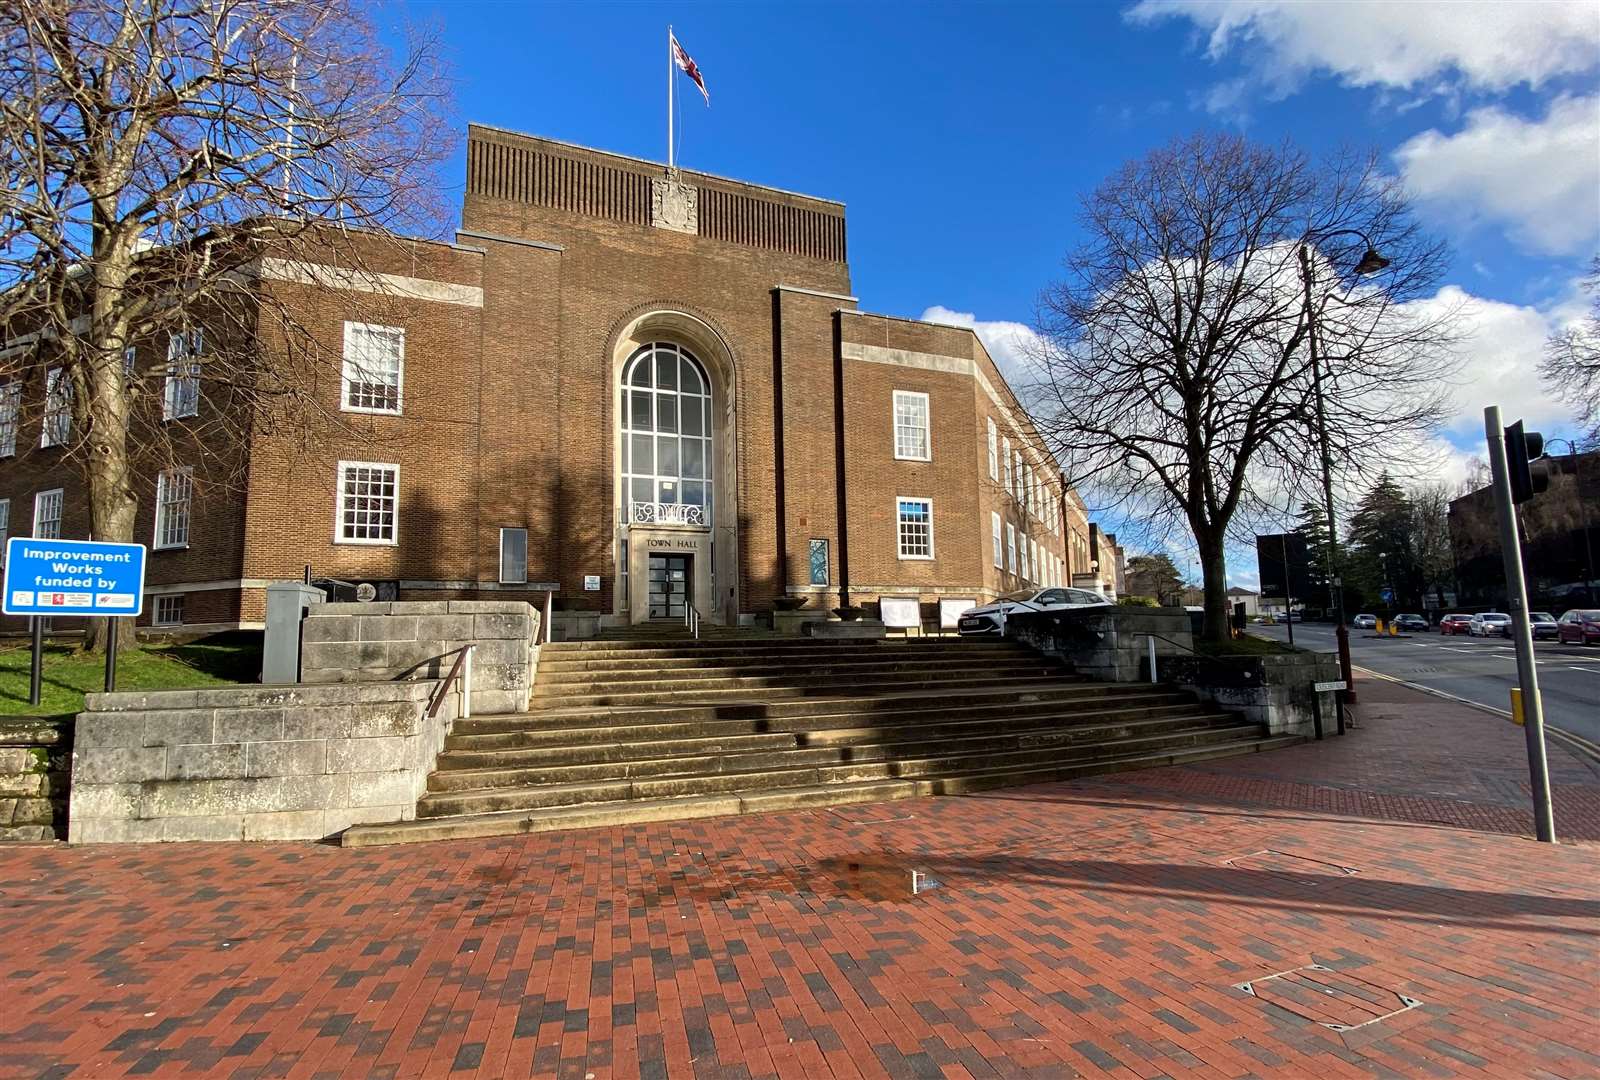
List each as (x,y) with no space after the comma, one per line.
(634,389)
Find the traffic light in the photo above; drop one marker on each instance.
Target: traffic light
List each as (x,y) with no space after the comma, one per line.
(1529,474)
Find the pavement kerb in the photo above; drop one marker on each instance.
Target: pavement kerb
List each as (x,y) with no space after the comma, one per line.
(1576,743)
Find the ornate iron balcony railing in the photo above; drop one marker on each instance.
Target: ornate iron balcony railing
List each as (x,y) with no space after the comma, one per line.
(652,513)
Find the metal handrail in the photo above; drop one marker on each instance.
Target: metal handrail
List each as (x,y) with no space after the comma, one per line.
(691,619)
(549,610)
(461,669)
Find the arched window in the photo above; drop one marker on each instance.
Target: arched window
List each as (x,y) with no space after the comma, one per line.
(666,436)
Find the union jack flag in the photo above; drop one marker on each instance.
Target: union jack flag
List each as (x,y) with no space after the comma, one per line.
(687,65)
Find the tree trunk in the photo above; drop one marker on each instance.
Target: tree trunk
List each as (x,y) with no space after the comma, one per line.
(113,503)
(1214,572)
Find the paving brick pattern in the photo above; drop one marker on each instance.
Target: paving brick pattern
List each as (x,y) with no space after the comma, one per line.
(1097,928)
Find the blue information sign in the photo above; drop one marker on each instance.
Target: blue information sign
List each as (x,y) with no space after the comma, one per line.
(73,577)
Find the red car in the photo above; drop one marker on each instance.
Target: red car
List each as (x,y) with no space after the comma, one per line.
(1579,627)
(1454,624)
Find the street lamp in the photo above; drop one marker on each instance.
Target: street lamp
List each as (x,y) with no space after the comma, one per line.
(1371,262)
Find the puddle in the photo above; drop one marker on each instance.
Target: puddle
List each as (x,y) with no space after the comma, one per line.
(874,878)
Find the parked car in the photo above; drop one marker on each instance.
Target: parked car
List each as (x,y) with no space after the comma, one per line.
(1454,624)
(1365,622)
(1545,626)
(986,620)
(1579,627)
(1489,624)
(1411,622)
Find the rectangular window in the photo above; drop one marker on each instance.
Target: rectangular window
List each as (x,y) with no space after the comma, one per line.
(374,367)
(911,426)
(369,498)
(168,610)
(994,452)
(174,495)
(130,362)
(182,395)
(1011,548)
(994,538)
(57,428)
(817,554)
(5,527)
(513,556)
(10,410)
(47,514)
(1016,491)
(1027,487)
(1005,456)
(1022,557)
(916,528)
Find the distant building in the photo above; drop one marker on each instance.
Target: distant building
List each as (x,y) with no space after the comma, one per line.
(1250,600)
(1560,541)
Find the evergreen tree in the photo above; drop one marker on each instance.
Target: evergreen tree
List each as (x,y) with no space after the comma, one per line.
(1314,528)
(1383,551)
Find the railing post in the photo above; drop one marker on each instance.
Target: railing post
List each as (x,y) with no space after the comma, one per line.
(549,606)
(1150,640)
(466,681)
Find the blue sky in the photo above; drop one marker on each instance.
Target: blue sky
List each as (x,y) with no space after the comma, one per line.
(961,136)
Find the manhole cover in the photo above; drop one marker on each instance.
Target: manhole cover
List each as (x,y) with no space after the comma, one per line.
(1282,862)
(1334,999)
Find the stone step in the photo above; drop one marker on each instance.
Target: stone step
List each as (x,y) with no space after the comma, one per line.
(612,720)
(765,690)
(576,742)
(809,661)
(792,646)
(440,804)
(596,815)
(835,747)
(787,675)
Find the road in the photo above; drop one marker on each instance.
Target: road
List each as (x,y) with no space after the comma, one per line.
(1478,669)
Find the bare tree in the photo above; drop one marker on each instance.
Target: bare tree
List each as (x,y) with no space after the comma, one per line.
(153,154)
(1430,509)
(1177,379)
(1571,363)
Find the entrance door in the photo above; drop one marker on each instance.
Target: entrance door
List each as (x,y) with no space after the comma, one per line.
(669,585)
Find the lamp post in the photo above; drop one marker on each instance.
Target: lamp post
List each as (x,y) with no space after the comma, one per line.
(1371,262)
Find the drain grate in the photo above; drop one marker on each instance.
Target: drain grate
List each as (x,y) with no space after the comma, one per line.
(1335,999)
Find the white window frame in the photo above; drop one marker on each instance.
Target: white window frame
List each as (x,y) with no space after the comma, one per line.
(180,396)
(56,428)
(1024,568)
(994,451)
(900,526)
(915,400)
(169,498)
(505,579)
(1016,491)
(339,505)
(1011,548)
(10,416)
(827,559)
(159,617)
(995,540)
(40,497)
(352,367)
(1005,453)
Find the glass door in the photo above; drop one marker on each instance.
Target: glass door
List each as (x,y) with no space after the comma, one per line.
(669,585)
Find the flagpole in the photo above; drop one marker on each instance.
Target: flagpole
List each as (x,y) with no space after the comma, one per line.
(670,62)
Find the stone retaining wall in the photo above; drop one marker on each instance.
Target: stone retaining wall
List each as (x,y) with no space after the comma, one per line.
(344,643)
(35,763)
(1275,691)
(1110,643)
(252,763)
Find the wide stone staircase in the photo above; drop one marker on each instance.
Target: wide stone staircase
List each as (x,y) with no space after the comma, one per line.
(662,727)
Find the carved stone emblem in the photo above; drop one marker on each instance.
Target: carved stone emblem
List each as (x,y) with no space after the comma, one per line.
(674,205)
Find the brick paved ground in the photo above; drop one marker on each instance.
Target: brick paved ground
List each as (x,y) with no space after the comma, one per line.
(1098,928)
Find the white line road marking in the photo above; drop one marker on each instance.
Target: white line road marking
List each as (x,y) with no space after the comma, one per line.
(1590,670)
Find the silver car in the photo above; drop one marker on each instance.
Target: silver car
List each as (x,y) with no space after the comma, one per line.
(1489,624)
(987,620)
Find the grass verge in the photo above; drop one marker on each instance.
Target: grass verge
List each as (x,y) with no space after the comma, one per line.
(68,673)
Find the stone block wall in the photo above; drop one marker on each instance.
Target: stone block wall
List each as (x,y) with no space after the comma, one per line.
(1110,643)
(35,763)
(252,763)
(1274,691)
(420,639)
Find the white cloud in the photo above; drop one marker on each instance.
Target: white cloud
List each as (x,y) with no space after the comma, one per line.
(1540,179)
(1010,344)
(1424,45)
(1499,351)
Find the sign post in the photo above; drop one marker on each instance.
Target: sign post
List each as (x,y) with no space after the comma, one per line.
(72,577)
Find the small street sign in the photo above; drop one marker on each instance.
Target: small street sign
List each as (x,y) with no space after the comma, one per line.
(1336,684)
(72,577)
